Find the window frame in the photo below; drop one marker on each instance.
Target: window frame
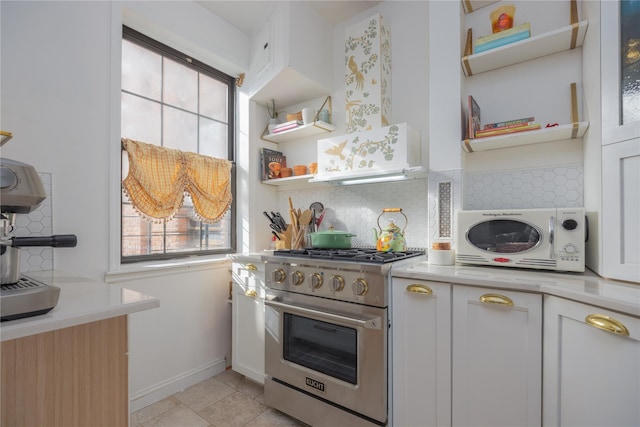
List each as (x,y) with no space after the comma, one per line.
(153,45)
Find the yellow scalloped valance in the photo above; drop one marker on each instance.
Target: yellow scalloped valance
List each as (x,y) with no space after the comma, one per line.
(159,177)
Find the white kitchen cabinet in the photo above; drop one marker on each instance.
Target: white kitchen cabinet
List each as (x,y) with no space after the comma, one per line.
(620,155)
(247,345)
(497,357)
(292,55)
(591,366)
(421,337)
(611,152)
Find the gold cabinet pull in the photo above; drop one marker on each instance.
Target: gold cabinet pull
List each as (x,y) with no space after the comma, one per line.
(496,299)
(251,293)
(251,267)
(419,289)
(606,323)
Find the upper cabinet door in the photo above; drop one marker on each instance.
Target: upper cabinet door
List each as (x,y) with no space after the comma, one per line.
(620,50)
(621,210)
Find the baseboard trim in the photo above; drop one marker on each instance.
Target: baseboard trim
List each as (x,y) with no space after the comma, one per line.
(164,389)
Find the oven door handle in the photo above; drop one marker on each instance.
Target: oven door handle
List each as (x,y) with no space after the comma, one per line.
(373,322)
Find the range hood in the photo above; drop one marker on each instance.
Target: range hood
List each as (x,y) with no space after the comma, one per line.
(384,154)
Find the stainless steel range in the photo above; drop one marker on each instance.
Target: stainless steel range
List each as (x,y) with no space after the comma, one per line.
(326,334)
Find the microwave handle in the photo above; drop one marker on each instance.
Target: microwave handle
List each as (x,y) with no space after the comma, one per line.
(552,232)
(368,323)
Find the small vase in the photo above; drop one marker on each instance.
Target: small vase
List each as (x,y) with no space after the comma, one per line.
(273,122)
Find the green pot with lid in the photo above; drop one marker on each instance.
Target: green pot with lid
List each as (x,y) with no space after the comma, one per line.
(331,239)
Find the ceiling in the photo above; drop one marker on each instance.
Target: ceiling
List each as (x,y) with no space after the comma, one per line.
(248,15)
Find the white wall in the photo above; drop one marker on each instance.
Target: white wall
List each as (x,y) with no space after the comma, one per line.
(55,100)
(60,80)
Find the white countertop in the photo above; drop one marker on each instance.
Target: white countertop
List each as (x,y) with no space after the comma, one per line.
(81,301)
(583,287)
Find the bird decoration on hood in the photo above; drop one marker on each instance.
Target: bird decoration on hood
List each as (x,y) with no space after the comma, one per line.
(336,150)
(355,72)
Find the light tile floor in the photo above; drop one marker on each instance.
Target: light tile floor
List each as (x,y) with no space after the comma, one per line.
(225,400)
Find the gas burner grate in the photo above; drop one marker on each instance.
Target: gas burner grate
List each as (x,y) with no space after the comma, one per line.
(353,255)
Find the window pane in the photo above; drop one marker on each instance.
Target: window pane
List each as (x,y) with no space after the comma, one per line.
(213,98)
(136,236)
(140,119)
(180,130)
(180,86)
(141,71)
(630,50)
(213,139)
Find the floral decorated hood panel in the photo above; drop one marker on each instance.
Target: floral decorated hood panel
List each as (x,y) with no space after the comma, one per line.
(380,150)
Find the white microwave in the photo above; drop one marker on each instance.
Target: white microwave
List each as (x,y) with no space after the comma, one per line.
(547,239)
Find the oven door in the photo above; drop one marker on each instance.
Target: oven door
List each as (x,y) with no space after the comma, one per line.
(318,346)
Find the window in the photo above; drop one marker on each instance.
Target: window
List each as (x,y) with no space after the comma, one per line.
(630,60)
(174,101)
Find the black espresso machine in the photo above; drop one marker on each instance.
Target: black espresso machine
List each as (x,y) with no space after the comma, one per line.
(21,192)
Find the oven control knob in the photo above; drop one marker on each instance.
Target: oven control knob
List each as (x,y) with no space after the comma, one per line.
(316,281)
(570,249)
(297,278)
(359,287)
(337,283)
(279,276)
(570,224)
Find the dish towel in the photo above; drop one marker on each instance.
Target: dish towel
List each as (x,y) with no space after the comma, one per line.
(158,178)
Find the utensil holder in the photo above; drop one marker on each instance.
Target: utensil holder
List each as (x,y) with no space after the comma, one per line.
(285,239)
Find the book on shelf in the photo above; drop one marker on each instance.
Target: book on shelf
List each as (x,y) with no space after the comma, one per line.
(268,160)
(473,117)
(287,124)
(501,42)
(284,128)
(509,123)
(526,27)
(496,132)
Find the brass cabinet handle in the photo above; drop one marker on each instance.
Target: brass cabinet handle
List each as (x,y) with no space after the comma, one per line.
(496,299)
(251,267)
(606,323)
(419,289)
(251,293)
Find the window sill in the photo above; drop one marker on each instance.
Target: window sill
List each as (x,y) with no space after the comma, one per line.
(162,268)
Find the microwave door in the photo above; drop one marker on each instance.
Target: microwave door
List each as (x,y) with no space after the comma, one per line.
(504,236)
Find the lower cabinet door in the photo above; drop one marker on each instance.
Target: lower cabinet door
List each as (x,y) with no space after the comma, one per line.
(591,366)
(248,332)
(497,357)
(421,359)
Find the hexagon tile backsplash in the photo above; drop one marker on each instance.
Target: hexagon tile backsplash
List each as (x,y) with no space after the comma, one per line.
(525,189)
(37,223)
(431,205)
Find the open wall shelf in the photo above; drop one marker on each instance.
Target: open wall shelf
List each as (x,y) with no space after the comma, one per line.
(556,133)
(565,38)
(310,129)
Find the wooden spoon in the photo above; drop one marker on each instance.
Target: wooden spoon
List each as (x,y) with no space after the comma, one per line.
(305,218)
